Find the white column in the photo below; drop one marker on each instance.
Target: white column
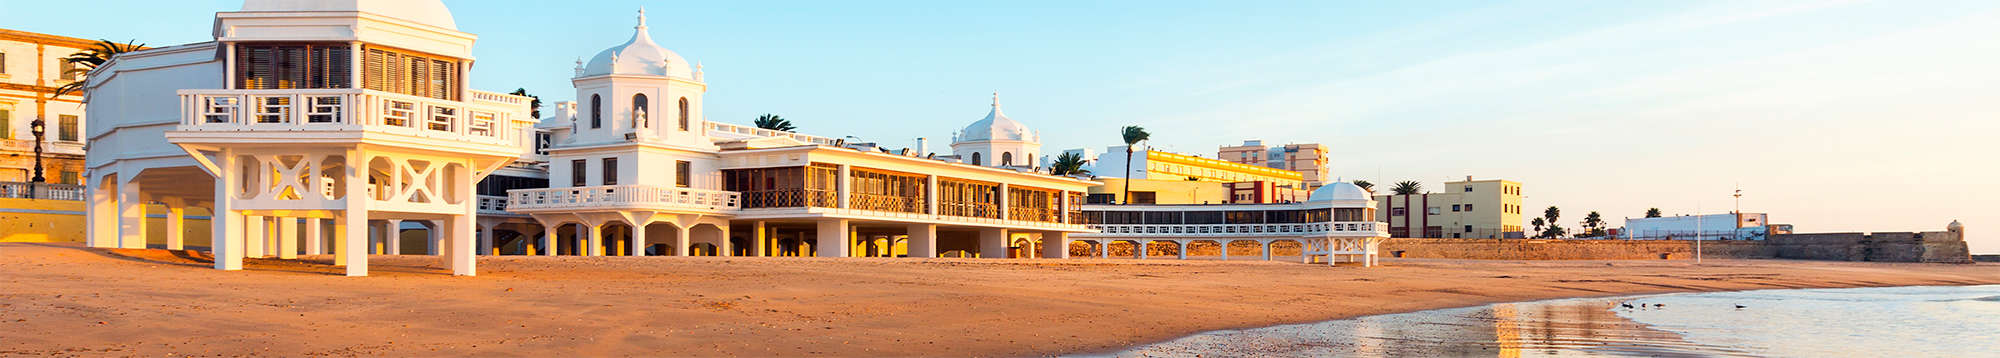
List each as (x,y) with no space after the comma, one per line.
(1143,245)
(288,238)
(353,249)
(843,187)
(682,243)
(548,240)
(392,238)
(593,245)
(225,226)
(724,247)
(1225,249)
(1180,249)
(1267,250)
(923,240)
(101,214)
(993,243)
(761,238)
(1055,245)
(638,240)
(931,196)
(458,242)
(254,236)
(832,237)
(315,240)
(131,213)
(1104,249)
(176,225)
(434,237)
(1004,201)
(339,239)
(486,239)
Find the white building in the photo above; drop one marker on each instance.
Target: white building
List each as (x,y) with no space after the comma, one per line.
(997,141)
(31,68)
(1728,226)
(302,119)
(1335,221)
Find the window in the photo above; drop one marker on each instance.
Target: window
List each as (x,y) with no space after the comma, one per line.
(975,158)
(576,172)
(68,70)
(1100,198)
(3,62)
(1468,188)
(1454,207)
(542,141)
(1468,229)
(1007,159)
(1433,211)
(1398,211)
(1141,197)
(684,114)
(69,177)
(610,174)
(6,124)
(410,73)
(1468,207)
(596,112)
(682,170)
(68,130)
(639,111)
(282,66)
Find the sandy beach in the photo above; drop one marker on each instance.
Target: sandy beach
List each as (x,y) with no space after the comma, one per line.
(63,299)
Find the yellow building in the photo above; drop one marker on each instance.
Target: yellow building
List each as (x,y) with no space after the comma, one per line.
(1466,209)
(1153,191)
(1159,165)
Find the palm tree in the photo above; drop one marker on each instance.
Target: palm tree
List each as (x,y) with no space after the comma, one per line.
(1408,187)
(1653,212)
(774,122)
(1068,164)
(90,58)
(534,104)
(1365,185)
(1133,135)
(1593,225)
(1538,223)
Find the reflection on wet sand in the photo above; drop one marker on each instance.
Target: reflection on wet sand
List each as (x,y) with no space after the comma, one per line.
(1547,328)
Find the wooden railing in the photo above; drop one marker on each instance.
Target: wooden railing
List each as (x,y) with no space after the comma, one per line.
(790,198)
(878,202)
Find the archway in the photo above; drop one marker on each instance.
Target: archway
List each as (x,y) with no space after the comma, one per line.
(1159,248)
(1084,248)
(1245,248)
(660,239)
(616,239)
(1285,248)
(711,235)
(1210,248)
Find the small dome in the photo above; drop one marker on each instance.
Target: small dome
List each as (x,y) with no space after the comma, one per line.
(428,12)
(1954,226)
(1339,191)
(996,126)
(639,56)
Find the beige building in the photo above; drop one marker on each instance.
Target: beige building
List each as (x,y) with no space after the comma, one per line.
(1488,209)
(1308,159)
(1157,165)
(31,68)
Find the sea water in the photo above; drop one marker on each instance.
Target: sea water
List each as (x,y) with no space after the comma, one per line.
(1855,322)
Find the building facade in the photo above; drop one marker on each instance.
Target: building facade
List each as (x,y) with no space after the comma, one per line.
(31,68)
(1489,209)
(1726,226)
(1157,165)
(1334,222)
(1308,159)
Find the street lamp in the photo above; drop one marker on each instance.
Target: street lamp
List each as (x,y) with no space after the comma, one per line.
(38,128)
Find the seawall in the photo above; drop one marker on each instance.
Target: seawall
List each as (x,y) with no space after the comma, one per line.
(1935,246)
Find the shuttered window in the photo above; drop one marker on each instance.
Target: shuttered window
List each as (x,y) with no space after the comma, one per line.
(284,66)
(410,73)
(67,132)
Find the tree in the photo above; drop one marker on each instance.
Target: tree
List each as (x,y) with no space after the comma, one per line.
(1653,212)
(774,122)
(1365,185)
(1553,215)
(1408,187)
(1538,223)
(534,103)
(1132,135)
(1593,225)
(1068,164)
(90,58)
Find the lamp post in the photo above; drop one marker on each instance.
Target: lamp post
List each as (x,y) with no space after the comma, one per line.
(38,128)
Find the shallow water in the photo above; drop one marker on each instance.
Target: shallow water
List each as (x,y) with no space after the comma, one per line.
(1858,322)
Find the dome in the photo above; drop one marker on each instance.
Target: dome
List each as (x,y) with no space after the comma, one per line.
(428,12)
(996,126)
(1954,226)
(1339,191)
(639,56)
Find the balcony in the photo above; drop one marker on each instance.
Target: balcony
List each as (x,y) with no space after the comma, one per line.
(487,120)
(614,197)
(19,190)
(494,205)
(760,132)
(1338,228)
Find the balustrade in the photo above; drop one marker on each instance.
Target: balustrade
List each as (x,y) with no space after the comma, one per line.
(212,110)
(1242,229)
(19,190)
(621,196)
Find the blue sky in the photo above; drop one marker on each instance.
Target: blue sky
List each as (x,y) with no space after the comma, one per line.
(1832,115)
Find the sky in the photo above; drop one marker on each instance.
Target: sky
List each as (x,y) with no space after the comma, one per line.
(1833,116)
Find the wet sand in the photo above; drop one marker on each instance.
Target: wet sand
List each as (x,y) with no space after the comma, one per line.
(61,299)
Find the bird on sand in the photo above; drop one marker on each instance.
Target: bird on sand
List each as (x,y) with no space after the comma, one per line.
(1741,306)
(1627,305)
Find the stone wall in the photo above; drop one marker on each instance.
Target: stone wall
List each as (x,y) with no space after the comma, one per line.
(1883,247)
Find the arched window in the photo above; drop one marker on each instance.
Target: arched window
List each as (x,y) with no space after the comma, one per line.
(975,158)
(1007,159)
(596,112)
(639,112)
(1028,159)
(684,114)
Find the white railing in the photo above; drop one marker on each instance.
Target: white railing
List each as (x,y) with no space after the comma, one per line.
(221,110)
(622,196)
(493,205)
(19,190)
(1322,228)
(939,218)
(497,97)
(760,132)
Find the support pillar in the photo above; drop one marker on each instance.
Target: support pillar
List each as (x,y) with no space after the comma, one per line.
(593,244)
(486,239)
(225,226)
(993,243)
(1104,249)
(315,240)
(760,238)
(434,236)
(548,240)
(1055,245)
(254,236)
(1180,249)
(392,239)
(1144,246)
(1225,250)
(131,213)
(923,240)
(176,225)
(340,230)
(288,238)
(101,214)
(638,240)
(354,220)
(682,243)
(1267,250)
(832,238)
(724,247)
(458,242)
